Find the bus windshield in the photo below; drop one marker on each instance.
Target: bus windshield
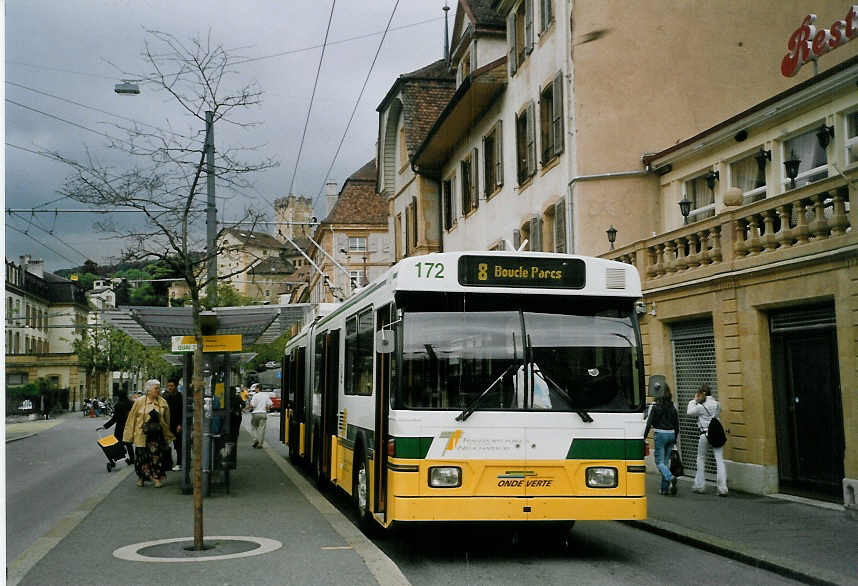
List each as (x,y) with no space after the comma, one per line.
(531,361)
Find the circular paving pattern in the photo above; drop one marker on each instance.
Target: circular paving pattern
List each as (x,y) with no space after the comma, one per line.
(222,547)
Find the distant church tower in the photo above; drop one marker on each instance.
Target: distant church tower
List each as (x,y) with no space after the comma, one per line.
(292,209)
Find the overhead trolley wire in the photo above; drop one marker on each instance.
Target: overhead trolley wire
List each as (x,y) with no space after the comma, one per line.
(28,235)
(312,97)
(357,102)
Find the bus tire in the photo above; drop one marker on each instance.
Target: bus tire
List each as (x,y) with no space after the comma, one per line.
(360,490)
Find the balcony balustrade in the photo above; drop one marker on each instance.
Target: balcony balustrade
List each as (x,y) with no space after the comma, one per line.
(812,219)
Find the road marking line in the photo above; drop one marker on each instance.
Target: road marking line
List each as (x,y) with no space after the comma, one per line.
(334,547)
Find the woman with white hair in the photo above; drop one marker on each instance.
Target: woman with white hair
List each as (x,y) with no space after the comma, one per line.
(148,428)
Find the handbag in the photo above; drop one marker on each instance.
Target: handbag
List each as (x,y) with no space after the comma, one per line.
(675,465)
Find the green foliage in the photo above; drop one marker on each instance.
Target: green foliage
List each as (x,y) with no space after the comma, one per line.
(227,296)
(267,352)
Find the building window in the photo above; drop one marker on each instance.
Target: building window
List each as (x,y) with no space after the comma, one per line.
(268,292)
(355,278)
(408,229)
(470,193)
(358,366)
(546,16)
(16,378)
(525,143)
(493,159)
(813,158)
(551,119)
(447,202)
(702,199)
(748,176)
(519,34)
(357,243)
(17,346)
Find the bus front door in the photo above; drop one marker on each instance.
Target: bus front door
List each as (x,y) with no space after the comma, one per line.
(330,394)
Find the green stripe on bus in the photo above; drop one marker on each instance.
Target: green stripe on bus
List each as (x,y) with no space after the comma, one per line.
(415,448)
(606,449)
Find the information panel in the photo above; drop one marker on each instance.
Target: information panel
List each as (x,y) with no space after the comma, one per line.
(502,271)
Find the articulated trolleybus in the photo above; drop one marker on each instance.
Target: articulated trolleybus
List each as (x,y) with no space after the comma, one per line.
(476,386)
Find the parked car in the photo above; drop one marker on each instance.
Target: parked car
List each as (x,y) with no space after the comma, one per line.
(275,399)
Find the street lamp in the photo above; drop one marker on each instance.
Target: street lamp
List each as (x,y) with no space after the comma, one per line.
(130,88)
(612,235)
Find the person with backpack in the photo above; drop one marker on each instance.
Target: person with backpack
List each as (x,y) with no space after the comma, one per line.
(664,421)
(706,409)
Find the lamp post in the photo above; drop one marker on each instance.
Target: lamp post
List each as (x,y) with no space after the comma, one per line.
(612,235)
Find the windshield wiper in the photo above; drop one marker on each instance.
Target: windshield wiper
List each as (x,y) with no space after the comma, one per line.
(472,406)
(585,417)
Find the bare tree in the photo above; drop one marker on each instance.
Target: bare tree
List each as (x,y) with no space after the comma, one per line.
(164,182)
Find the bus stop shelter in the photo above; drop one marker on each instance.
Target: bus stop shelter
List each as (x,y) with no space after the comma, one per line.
(256,324)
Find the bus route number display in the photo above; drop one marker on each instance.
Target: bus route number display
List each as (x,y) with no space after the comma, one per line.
(501,271)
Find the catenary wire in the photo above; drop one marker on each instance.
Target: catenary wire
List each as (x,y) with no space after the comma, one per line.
(60,254)
(312,97)
(357,102)
(81,126)
(50,233)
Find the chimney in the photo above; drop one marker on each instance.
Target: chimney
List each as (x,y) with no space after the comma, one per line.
(331,196)
(34,266)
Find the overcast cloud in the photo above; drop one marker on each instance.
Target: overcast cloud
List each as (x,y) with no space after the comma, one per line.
(66,49)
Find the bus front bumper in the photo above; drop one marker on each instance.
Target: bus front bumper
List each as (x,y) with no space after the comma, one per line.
(517,508)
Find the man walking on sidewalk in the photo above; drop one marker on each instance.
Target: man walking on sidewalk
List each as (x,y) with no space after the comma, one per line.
(175,401)
(259,405)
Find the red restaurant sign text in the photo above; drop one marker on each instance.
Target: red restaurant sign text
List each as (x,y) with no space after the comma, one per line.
(807,43)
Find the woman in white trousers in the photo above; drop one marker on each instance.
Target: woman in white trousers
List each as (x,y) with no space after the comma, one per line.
(704,407)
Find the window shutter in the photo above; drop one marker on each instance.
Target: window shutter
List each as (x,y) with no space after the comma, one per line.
(560,226)
(531,139)
(475,178)
(510,41)
(473,55)
(528,26)
(516,238)
(454,214)
(499,153)
(557,115)
(459,75)
(535,234)
(545,14)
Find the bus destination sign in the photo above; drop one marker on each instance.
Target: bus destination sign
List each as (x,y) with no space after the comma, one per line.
(504,271)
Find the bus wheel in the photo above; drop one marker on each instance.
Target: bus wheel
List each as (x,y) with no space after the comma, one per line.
(360,492)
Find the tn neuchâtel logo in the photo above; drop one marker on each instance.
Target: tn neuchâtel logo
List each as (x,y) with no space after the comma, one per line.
(453,438)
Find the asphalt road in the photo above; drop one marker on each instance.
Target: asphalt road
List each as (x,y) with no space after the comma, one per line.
(48,475)
(592,553)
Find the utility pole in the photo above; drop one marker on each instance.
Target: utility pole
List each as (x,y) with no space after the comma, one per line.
(211,213)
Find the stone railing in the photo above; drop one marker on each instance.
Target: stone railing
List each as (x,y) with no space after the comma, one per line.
(807,220)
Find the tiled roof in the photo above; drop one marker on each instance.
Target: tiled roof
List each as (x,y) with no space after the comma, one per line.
(301,241)
(483,14)
(422,103)
(437,74)
(273,266)
(358,203)
(260,239)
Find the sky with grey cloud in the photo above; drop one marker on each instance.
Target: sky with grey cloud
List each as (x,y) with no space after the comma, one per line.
(75,51)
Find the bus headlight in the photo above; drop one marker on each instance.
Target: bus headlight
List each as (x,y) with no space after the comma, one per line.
(445,477)
(602,477)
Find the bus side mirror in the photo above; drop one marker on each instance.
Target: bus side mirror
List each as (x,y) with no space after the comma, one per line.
(657,385)
(384,341)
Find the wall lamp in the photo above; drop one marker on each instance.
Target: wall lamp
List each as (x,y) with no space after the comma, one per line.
(684,208)
(712,177)
(824,135)
(791,166)
(612,235)
(761,156)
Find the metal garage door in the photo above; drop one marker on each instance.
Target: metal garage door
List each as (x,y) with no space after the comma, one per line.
(694,364)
